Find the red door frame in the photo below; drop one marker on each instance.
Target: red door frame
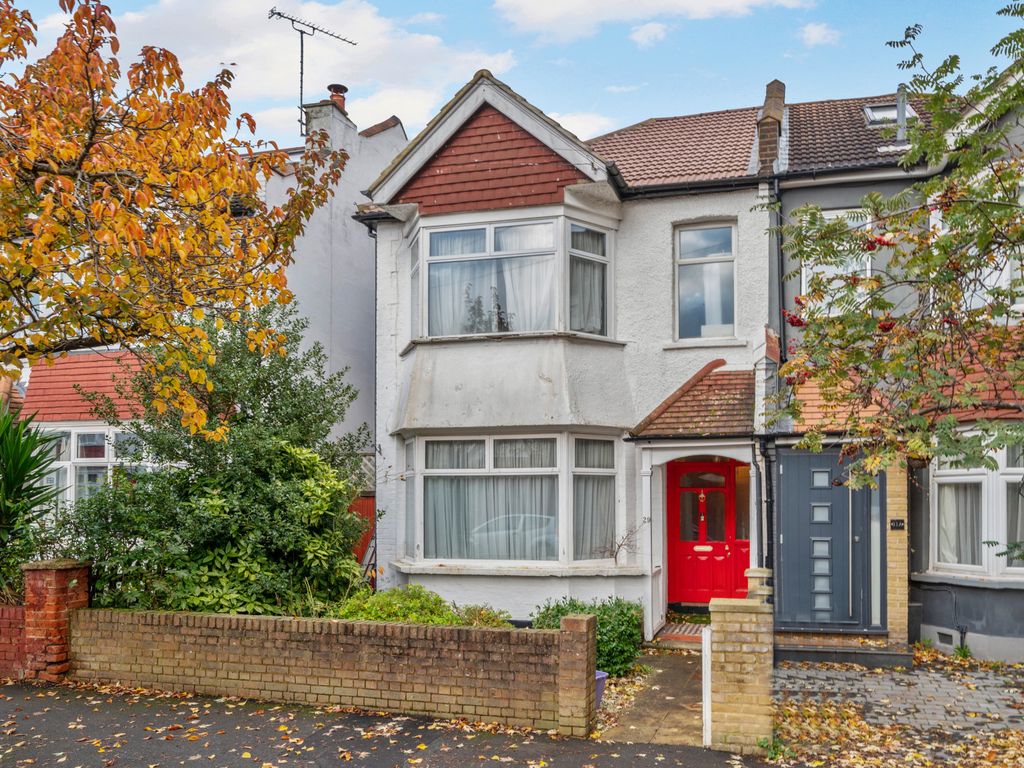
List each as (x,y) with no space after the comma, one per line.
(700,570)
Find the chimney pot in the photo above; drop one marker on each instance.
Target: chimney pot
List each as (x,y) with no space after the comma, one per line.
(338,92)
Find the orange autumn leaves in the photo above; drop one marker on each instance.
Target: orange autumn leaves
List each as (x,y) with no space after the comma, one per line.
(131,206)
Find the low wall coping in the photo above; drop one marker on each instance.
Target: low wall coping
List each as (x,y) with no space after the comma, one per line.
(738,605)
(55,565)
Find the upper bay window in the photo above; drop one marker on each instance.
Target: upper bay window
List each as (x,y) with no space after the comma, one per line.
(508,278)
(705,282)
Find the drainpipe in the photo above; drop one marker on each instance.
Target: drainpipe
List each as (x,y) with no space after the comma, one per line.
(769,489)
(780,271)
(758,497)
(961,628)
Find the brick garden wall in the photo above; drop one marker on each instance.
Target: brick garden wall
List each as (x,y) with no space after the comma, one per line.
(543,679)
(12,640)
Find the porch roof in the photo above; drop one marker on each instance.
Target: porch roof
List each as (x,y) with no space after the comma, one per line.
(712,402)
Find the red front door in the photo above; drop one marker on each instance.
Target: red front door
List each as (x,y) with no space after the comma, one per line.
(707,551)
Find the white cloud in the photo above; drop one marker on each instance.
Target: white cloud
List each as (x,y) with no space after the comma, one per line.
(426,17)
(648,34)
(586,125)
(625,88)
(565,20)
(818,33)
(392,70)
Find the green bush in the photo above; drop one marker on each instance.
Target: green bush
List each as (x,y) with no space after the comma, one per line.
(619,628)
(411,603)
(483,616)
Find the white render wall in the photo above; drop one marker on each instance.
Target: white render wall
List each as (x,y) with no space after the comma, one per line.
(542,383)
(333,273)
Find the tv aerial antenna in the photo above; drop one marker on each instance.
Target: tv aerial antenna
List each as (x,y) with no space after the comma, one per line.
(305,29)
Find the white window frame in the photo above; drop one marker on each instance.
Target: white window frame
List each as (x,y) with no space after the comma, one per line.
(678,261)
(874,121)
(832,214)
(69,494)
(564,470)
(561,253)
(994,517)
(620,523)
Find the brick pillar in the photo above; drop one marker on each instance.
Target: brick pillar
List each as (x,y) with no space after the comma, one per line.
(759,584)
(741,674)
(897,553)
(53,590)
(577,666)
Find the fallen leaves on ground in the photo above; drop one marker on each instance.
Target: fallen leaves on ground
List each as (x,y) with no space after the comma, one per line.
(835,734)
(619,693)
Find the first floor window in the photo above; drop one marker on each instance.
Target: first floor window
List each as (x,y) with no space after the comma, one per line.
(704,282)
(490,502)
(959,523)
(588,280)
(593,492)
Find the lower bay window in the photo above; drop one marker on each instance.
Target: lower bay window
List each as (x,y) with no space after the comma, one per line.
(511,498)
(972,506)
(84,457)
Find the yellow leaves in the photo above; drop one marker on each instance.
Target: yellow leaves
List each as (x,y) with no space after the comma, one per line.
(187,297)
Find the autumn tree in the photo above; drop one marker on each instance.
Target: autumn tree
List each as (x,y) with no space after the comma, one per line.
(907,355)
(131,206)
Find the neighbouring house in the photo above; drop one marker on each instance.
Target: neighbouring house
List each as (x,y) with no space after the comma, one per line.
(333,274)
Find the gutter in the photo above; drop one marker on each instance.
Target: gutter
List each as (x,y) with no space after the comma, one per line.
(693,187)
(687,438)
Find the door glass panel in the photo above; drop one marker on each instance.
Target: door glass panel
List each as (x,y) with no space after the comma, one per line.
(707,479)
(819,548)
(822,584)
(823,602)
(819,513)
(821,478)
(715,517)
(743,503)
(689,517)
(820,565)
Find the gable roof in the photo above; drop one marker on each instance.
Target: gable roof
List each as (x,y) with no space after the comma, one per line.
(51,394)
(711,402)
(482,89)
(835,135)
(685,149)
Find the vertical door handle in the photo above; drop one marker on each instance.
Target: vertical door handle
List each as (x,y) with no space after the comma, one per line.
(849,553)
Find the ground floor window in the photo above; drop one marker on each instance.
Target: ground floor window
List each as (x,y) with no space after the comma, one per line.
(511,498)
(975,513)
(84,458)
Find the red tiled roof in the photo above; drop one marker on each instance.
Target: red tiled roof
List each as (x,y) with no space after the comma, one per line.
(712,402)
(835,135)
(685,149)
(51,393)
(380,127)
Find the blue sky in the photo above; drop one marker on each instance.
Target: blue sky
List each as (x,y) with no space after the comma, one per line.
(594,64)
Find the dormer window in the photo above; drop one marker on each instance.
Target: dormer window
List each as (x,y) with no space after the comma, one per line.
(879,115)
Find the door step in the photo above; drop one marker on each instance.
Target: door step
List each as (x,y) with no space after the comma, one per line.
(875,657)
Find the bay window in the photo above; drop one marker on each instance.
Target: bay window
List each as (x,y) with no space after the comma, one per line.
(84,457)
(511,498)
(508,278)
(972,506)
(705,290)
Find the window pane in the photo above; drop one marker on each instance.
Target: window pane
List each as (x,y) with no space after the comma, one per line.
(515,454)
(455,454)
(1015,519)
(61,446)
(714,517)
(820,548)
(524,237)
(1015,455)
(58,478)
(491,518)
(459,243)
(491,296)
(593,517)
(410,516)
(587,240)
(88,480)
(705,300)
(703,243)
(689,517)
(959,507)
(820,513)
(743,503)
(821,478)
(127,446)
(587,293)
(707,479)
(595,454)
(820,565)
(92,446)
(414,304)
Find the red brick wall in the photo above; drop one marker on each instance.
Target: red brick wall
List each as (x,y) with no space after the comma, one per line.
(12,640)
(490,163)
(53,590)
(543,679)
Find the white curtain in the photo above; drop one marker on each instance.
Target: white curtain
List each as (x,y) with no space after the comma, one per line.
(587,240)
(595,454)
(455,454)
(459,243)
(522,238)
(586,296)
(529,292)
(1015,519)
(491,518)
(524,454)
(593,516)
(959,523)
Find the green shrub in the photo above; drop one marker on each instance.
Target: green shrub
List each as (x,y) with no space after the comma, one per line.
(619,628)
(411,603)
(483,616)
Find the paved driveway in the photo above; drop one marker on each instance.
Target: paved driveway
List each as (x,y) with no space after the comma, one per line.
(85,728)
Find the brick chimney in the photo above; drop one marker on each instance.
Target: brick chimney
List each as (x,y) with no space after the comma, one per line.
(338,96)
(769,127)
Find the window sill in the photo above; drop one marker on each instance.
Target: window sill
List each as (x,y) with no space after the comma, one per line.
(980,581)
(730,341)
(526,569)
(584,338)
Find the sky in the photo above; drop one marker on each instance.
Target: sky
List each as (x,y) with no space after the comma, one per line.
(594,65)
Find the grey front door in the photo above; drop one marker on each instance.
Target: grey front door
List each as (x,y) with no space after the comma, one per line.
(829,546)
